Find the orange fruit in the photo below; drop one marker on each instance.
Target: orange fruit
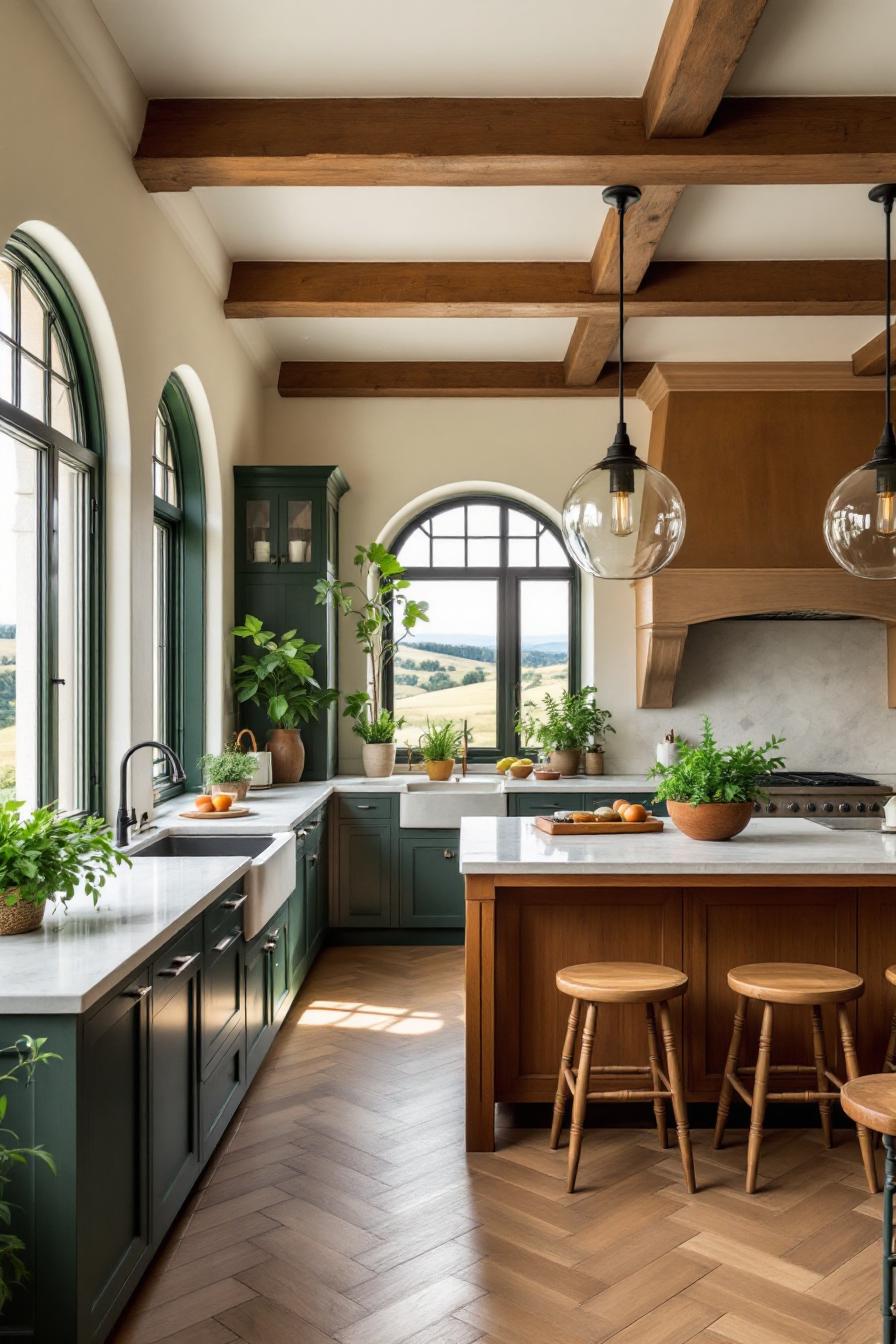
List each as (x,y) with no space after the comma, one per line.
(620,805)
(635,812)
(222,802)
(203,799)
(205,805)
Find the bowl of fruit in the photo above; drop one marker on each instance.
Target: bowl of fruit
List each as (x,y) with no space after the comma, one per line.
(519,767)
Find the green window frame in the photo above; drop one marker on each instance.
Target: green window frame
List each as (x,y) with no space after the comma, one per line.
(178,607)
(50,403)
(511,566)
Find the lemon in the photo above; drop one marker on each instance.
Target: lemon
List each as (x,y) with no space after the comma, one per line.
(505,763)
(525,761)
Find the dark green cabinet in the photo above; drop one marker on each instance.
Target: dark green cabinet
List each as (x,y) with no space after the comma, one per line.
(431,888)
(259,1012)
(298,919)
(174,1077)
(223,1084)
(544,802)
(364,875)
(286,539)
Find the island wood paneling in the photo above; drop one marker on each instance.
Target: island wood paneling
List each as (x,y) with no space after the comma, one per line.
(876,942)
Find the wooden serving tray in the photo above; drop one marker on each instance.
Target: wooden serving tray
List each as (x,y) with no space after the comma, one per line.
(195,815)
(552,827)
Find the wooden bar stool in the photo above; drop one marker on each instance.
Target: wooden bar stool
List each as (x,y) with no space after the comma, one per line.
(871,1102)
(622,982)
(809,986)
(890,1056)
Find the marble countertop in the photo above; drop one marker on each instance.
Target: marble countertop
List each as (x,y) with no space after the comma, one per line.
(75,957)
(769,847)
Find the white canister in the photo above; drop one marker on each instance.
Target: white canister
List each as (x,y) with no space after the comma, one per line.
(297,552)
(261,552)
(667,750)
(263,777)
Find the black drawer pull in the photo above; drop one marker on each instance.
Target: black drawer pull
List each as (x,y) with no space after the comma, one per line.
(234,903)
(270,945)
(179,965)
(142,992)
(226,942)
(364,807)
(449,853)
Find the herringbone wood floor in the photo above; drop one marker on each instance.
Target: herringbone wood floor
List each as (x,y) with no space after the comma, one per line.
(341,1208)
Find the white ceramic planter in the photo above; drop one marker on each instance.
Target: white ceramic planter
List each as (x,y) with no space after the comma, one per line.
(378,758)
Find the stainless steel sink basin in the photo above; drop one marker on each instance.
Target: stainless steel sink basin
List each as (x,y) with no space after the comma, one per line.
(427,805)
(269,881)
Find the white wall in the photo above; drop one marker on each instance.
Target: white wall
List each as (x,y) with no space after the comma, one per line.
(67,176)
(819,684)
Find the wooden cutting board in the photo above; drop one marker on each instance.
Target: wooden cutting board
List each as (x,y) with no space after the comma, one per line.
(195,815)
(552,827)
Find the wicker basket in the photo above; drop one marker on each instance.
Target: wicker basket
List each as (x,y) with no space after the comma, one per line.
(23,917)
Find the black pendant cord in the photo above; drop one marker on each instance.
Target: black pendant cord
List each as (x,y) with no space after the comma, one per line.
(621,250)
(885,452)
(888,418)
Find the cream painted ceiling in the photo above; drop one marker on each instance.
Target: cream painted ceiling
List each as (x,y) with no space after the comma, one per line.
(300,48)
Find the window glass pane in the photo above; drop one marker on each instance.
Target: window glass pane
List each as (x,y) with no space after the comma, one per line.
(449,523)
(447,552)
(19,621)
(544,641)
(520,524)
(454,676)
(298,531)
(32,319)
(161,625)
(550,552)
(6,284)
(483,520)
(71,669)
(415,551)
(5,371)
(31,398)
(62,412)
(484,551)
(158,480)
(521,553)
(258,531)
(57,357)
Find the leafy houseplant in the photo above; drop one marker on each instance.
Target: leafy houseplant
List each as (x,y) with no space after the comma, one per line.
(384,617)
(229,771)
(281,680)
(562,727)
(44,856)
(598,728)
(710,790)
(29,1055)
(439,746)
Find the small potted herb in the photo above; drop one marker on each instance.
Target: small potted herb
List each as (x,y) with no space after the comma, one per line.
(44,857)
(598,728)
(377,733)
(229,771)
(439,746)
(561,727)
(710,790)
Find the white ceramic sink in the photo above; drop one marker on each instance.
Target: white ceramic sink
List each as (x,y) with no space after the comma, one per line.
(426,804)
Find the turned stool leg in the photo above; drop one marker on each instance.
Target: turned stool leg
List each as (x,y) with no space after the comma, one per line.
(653,1051)
(579,1100)
(760,1089)
(737,1034)
(852,1071)
(890,1056)
(886,1297)
(679,1105)
(821,1066)
(569,1046)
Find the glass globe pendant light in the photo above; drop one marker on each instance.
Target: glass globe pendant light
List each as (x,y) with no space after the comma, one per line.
(860,518)
(622,519)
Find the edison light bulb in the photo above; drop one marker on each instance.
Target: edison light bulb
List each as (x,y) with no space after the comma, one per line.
(621,513)
(886,513)
(860,522)
(616,532)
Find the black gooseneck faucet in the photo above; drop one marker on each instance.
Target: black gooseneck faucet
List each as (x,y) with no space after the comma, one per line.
(125,819)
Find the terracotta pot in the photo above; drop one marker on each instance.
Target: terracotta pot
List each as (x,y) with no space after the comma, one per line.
(710,821)
(287,755)
(21,918)
(594,762)
(439,770)
(238,789)
(567,762)
(378,758)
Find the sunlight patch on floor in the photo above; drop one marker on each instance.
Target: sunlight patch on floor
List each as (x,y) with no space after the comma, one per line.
(369,1017)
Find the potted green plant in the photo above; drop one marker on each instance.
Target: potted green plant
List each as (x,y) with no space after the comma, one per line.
(561,727)
(281,680)
(45,856)
(384,617)
(439,746)
(27,1054)
(229,771)
(598,728)
(710,790)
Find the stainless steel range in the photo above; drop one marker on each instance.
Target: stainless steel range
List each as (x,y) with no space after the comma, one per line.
(821,793)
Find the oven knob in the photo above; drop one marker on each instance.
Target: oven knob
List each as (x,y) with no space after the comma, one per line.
(793,807)
(810,807)
(860,807)
(757,807)
(772,807)
(875,807)
(844,807)
(827,807)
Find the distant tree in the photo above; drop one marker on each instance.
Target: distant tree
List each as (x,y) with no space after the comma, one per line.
(439,681)
(430,665)
(471,678)
(477,653)
(406,679)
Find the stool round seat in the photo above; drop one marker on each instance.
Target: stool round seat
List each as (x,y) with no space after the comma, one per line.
(890,973)
(795,982)
(871,1101)
(621,982)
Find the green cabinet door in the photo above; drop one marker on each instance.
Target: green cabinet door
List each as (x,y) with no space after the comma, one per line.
(113,1187)
(174,1077)
(279,963)
(221,1090)
(258,1004)
(298,922)
(543,804)
(222,987)
(364,880)
(430,884)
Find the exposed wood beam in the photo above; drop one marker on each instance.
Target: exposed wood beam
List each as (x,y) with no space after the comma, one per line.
(507,141)
(551,289)
(701,44)
(590,346)
(444,379)
(645,224)
(871,357)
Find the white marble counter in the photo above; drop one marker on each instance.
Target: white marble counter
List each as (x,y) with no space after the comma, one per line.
(75,957)
(769,847)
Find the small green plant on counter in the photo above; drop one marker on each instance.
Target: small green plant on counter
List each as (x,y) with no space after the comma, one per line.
(230,766)
(280,679)
(28,1053)
(708,773)
(441,741)
(598,723)
(371,730)
(45,856)
(564,724)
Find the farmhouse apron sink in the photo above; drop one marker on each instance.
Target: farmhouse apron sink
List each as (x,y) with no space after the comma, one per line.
(426,805)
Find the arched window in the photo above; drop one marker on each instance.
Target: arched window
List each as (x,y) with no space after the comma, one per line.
(178,586)
(50,545)
(503,619)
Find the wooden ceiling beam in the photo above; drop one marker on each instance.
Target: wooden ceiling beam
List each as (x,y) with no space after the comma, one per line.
(446,379)
(507,141)
(871,357)
(551,289)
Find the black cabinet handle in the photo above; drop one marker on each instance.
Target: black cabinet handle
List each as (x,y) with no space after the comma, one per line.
(364,807)
(449,854)
(226,942)
(234,903)
(142,992)
(312,859)
(179,965)
(270,945)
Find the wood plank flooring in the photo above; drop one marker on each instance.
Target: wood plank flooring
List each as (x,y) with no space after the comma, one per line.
(342,1209)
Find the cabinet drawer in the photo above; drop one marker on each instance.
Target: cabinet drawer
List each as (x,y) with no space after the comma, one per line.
(222,990)
(543,804)
(222,1091)
(170,966)
(355,807)
(220,917)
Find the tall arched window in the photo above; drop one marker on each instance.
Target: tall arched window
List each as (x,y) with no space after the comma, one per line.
(178,586)
(50,551)
(503,619)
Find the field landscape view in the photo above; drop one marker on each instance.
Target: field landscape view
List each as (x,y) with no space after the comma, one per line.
(7,711)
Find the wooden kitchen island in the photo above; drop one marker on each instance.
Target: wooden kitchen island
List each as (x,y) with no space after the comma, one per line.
(780,891)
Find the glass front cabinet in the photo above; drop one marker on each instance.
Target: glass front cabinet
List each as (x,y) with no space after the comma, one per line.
(281,528)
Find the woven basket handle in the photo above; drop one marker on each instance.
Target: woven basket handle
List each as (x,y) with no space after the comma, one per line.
(247,732)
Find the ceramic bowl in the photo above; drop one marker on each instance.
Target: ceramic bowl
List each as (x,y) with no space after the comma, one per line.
(521,771)
(547,774)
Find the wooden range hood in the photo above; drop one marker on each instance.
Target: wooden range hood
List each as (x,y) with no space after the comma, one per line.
(755,450)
